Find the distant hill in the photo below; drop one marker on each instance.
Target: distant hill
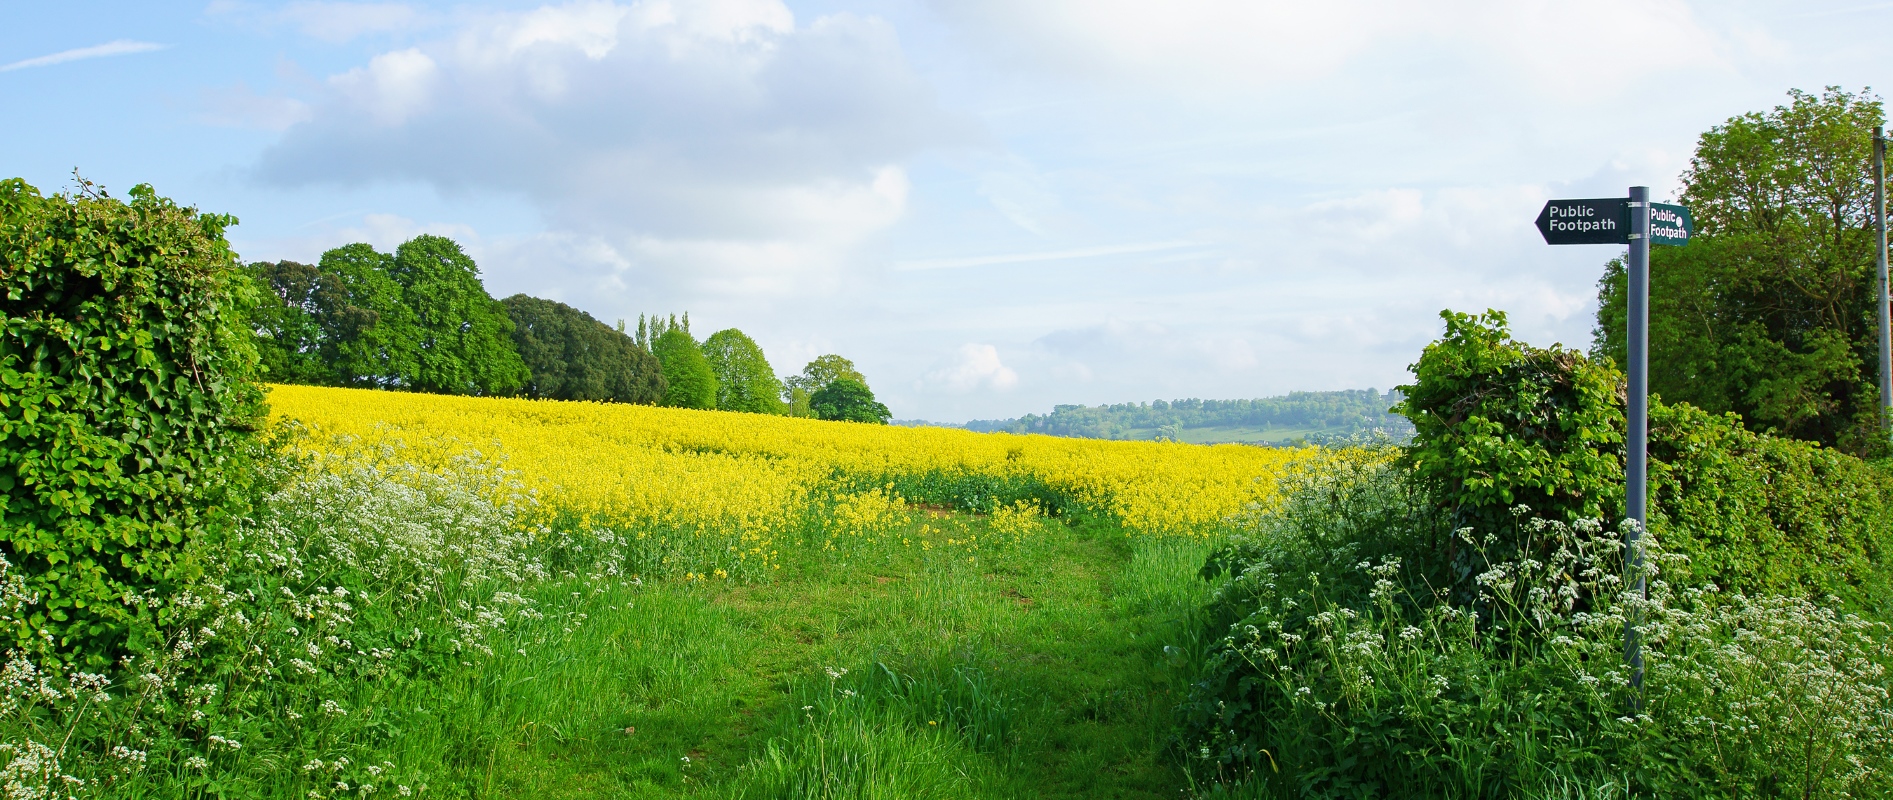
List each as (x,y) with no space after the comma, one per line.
(1314,417)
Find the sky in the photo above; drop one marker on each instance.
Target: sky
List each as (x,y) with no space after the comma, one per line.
(992,207)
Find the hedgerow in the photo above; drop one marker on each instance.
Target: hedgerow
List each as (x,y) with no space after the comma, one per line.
(124,407)
(1500,423)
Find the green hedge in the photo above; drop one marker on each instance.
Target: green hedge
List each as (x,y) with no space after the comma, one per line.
(122,402)
(1500,423)
(1761,514)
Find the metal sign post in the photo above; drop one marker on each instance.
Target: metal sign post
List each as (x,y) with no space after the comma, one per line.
(1879,258)
(1637,222)
(1636,438)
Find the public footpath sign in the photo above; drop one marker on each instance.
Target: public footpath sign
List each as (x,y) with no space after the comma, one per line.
(1604,220)
(1639,223)
(1670,224)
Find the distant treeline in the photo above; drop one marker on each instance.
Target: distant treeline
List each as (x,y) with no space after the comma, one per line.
(1350,410)
(419,319)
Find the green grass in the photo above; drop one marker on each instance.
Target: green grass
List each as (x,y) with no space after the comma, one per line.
(1042,668)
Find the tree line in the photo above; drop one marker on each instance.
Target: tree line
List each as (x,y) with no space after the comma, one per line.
(420,319)
(1770,312)
(1353,410)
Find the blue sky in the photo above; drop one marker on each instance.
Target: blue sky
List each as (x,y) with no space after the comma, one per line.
(991,206)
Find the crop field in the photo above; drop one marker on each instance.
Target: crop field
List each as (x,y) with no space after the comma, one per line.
(796,608)
(740,480)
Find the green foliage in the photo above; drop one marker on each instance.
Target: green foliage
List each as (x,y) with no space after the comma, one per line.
(418,319)
(574,357)
(1351,411)
(817,374)
(1499,423)
(690,381)
(375,346)
(744,379)
(1336,670)
(1769,313)
(848,400)
(296,301)
(1766,515)
(123,404)
(463,337)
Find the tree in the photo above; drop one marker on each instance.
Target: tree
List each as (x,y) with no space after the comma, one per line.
(1769,313)
(848,400)
(286,318)
(465,340)
(689,381)
(305,318)
(744,379)
(817,375)
(377,347)
(572,356)
(797,403)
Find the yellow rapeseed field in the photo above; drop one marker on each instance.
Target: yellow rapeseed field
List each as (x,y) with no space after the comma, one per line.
(743,477)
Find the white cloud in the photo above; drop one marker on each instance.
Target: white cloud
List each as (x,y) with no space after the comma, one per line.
(119,47)
(973,367)
(1596,48)
(388,231)
(1026,258)
(393,88)
(342,22)
(713,144)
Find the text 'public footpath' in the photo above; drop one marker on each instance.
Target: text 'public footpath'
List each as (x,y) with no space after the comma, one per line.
(1579,219)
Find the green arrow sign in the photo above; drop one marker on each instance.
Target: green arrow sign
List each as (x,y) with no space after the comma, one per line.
(1670,224)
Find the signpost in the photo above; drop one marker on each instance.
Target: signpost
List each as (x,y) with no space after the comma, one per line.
(1636,222)
(1879,258)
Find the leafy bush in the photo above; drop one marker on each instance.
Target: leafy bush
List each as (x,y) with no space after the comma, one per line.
(123,404)
(848,400)
(1758,513)
(1501,423)
(1338,679)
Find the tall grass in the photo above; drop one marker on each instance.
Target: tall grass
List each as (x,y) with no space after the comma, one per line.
(388,629)
(1339,669)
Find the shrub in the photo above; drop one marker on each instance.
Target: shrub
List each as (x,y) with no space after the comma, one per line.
(123,403)
(359,574)
(1763,514)
(1329,678)
(1500,423)
(848,400)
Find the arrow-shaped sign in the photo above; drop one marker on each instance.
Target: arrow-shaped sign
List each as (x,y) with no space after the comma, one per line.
(1603,220)
(1670,224)
(1606,220)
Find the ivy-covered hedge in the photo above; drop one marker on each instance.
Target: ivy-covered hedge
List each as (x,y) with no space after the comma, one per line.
(1499,423)
(123,403)
(1762,514)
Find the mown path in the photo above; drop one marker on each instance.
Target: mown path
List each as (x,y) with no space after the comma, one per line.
(1036,669)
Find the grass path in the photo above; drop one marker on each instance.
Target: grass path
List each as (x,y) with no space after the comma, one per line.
(1038,669)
